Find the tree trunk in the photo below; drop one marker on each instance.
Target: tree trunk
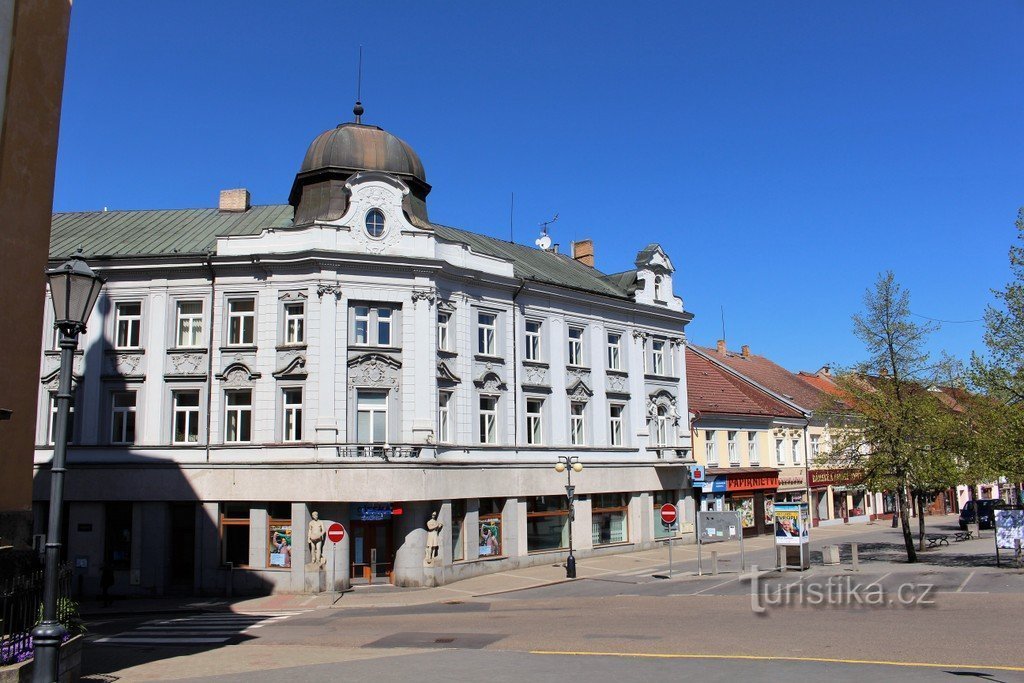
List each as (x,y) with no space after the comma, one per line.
(908,536)
(920,521)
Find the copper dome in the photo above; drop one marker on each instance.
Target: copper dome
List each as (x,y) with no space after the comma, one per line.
(362,148)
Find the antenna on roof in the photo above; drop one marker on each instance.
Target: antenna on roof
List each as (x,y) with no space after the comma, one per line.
(358,109)
(511,214)
(723,323)
(544,241)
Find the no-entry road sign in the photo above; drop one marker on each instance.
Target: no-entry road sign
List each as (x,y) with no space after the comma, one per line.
(335,533)
(668,513)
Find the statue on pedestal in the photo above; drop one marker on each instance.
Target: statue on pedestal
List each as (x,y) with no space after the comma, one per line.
(433,539)
(315,537)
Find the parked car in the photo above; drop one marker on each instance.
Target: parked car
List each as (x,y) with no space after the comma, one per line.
(986,517)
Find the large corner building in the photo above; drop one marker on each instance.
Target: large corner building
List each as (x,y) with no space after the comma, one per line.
(247,366)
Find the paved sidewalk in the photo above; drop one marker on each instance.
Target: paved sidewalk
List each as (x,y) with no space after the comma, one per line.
(880,550)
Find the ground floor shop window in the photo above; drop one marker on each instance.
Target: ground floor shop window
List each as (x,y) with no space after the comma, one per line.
(234,534)
(118,536)
(821,504)
(859,506)
(839,504)
(490,527)
(888,502)
(662,498)
(769,509)
(279,535)
(608,518)
(745,506)
(547,523)
(458,533)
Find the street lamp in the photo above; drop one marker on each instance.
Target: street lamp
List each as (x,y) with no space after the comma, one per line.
(570,464)
(74,288)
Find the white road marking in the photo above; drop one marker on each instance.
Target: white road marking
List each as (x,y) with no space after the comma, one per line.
(198,629)
(969,577)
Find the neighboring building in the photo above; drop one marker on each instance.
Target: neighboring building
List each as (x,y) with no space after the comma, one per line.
(33,46)
(750,441)
(837,496)
(249,365)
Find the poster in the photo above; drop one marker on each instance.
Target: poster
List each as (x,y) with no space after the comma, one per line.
(769,510)
(791,523)
(280,545)
(1009,527)
(490,537)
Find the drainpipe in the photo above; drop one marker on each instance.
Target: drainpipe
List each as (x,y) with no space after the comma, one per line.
(209,353)
(807,467)
(515,368)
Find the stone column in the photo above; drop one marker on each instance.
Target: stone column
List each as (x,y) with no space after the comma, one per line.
(471,528)
(410,531)
(424,389)
(642,518)
(635,364)
(327,422)
(209,580)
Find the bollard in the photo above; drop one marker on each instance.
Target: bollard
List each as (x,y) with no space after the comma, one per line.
(782,558)
(714,562)
(854,557)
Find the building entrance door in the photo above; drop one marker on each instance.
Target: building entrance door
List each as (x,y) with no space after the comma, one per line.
(371,551)
(181,548)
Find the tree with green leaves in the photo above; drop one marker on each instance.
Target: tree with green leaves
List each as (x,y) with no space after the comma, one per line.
(889,424)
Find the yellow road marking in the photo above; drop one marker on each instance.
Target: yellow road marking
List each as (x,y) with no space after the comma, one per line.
(768,658)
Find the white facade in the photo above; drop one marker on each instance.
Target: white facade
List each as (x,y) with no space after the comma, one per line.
(299,369)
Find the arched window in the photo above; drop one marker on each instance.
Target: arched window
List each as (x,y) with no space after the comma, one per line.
(662,432)
(659,288)
(375,223)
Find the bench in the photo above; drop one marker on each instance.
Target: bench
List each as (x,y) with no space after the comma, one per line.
(938,540)
(963,535)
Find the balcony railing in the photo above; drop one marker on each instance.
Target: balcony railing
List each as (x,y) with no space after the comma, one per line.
(385,453)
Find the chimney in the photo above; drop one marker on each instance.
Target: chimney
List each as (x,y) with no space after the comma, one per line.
(721,347)
(745,351)
(235,201)
(583,251)
(825,370)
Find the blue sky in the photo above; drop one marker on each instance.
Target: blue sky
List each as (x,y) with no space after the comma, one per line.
(783,153)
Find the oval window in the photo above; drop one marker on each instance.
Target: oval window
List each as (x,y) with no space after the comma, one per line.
(375,222)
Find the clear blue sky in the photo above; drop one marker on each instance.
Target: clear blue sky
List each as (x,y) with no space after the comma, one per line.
(783,153)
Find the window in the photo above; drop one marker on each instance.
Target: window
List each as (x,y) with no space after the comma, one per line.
(241,322)
(780,454)
(534,422)
(815,447)
(796,451)
(532,340)
(189,324)
(710,452)
(490,526)
(51,438)
(291,426)
(489,419)
(659,288)
(279,536)
(658,357)
(752,455)
(444,424)
(576,346)
(373,325)
(294,323)
(238,416)
(577,423)
(663,427)
(128,324)
(375,223)
(234,534)
(615,413)
(371,416)
(734,452)
(661,498)
(458,530)
(487,328)
(614,351)
(547,523)
(608,518)
(122,430)
(443,322)
(186,417)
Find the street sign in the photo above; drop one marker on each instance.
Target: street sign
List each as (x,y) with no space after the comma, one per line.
(569,490)
(335,533)
(668,513)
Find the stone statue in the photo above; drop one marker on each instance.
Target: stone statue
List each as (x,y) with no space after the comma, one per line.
(315,538)
(433,539)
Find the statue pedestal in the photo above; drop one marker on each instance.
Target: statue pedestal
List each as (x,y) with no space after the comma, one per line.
(315,578)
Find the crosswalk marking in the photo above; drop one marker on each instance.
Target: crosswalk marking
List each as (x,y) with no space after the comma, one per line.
(198,629)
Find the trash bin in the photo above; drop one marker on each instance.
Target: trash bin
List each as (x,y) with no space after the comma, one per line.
(830,554)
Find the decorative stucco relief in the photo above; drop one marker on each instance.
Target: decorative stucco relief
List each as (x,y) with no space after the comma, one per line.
(373,370)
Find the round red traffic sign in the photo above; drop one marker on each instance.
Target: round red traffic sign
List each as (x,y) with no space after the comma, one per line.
(668,513)
(336,532)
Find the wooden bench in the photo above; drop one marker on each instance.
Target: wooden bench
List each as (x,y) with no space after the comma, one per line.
(963,535)
(937,540)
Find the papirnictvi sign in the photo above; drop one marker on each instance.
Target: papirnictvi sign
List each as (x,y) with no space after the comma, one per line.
(834,477)
(748,481)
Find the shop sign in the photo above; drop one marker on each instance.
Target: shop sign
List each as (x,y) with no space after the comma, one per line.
(751,481)
(715,485)
(373,512)
(791,478)
(834,477)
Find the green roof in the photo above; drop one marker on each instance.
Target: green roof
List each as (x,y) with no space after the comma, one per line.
(106,234)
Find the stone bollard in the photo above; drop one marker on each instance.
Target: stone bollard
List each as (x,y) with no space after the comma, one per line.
(714,562)
(782,558)
(854,556)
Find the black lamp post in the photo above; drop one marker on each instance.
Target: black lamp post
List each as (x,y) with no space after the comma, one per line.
(74,288)
(570,464)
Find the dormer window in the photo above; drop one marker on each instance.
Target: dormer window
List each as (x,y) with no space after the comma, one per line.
(375,223)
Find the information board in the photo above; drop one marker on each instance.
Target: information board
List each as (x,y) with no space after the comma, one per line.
(718,527)
(1009,527)
(792,522)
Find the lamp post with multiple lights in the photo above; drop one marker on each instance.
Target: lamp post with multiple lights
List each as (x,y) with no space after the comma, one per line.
(74,288)
(570,464)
